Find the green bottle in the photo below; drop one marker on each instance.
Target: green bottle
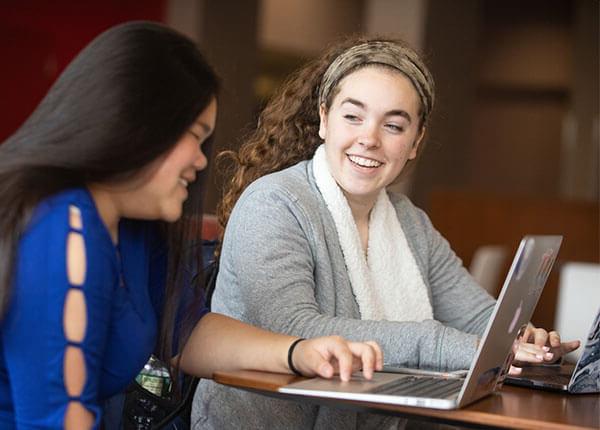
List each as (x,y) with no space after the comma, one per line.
(155,378)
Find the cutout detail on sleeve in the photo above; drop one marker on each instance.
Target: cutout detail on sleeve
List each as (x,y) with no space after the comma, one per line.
(77,416)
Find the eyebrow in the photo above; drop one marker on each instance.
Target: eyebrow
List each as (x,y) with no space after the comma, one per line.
(393,112)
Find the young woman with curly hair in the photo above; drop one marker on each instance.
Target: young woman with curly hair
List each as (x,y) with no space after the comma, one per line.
(316,244)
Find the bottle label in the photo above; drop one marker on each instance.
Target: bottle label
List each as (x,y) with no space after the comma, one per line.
(153,383)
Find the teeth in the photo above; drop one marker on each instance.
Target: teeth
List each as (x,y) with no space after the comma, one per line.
(364,162)
(183,182)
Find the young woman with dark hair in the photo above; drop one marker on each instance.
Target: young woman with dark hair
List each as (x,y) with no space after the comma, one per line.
(100,213)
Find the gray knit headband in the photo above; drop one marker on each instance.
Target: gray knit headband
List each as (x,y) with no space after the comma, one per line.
(390,54)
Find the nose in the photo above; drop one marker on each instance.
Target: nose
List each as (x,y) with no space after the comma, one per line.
(370,136)
(201,161)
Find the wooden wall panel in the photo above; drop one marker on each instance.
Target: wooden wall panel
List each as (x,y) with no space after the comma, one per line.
(470,219)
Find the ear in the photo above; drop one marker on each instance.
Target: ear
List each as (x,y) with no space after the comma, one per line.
(417,142)
(323,122)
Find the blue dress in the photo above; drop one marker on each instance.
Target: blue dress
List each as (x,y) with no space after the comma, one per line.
(123,292)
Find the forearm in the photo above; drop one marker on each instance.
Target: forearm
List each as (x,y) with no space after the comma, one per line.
(462,304)
(222,343)
(415,344)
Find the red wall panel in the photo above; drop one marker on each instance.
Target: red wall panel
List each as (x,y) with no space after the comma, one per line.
(38,39)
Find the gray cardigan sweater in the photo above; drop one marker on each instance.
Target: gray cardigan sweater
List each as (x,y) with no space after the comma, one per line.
(282,269)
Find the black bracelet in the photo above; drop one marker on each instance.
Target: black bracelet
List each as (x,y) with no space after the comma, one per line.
(290,352)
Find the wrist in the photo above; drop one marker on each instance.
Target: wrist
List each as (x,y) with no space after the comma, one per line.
(290,357)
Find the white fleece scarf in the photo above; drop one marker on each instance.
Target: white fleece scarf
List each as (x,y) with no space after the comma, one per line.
(387,284)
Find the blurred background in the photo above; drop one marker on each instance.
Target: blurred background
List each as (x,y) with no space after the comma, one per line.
(513,145)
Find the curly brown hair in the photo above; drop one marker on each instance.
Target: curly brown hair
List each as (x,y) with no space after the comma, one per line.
(288,128)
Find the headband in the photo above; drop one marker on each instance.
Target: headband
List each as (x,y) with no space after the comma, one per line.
(390,54)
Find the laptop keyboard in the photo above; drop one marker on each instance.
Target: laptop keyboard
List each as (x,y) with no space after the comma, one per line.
(533,379)
(558,375)
(421,387)
(559,379)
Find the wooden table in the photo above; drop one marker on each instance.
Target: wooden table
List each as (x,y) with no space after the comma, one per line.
(512,407)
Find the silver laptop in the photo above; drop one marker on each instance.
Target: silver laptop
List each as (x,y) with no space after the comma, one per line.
(518,298)
(583,378)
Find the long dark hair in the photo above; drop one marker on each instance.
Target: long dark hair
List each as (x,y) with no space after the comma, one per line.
(125,100)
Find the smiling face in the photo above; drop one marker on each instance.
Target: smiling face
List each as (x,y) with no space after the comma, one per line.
(167,187)
(164,189)
(371,130)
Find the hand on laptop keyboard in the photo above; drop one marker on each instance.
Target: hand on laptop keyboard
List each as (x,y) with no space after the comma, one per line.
(536,345)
